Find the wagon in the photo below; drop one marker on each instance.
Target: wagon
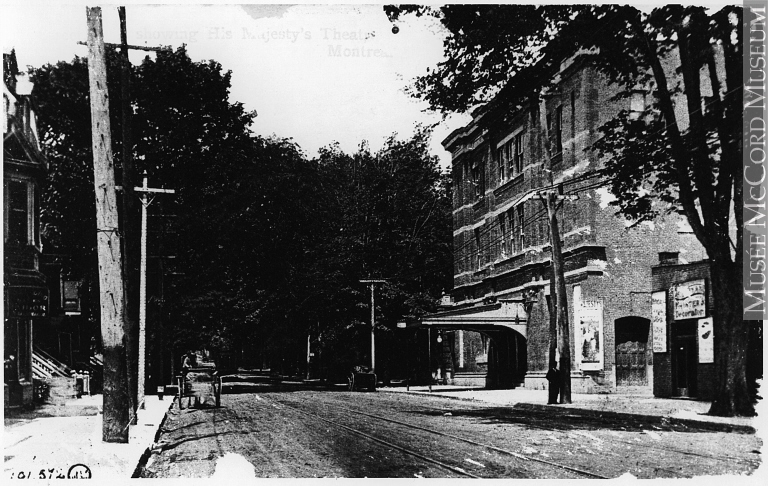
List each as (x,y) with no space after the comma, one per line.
(362,380)
(200,383)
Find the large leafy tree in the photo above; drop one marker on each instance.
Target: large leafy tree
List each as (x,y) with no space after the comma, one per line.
(268,246)
(185,132)
(389,218)
(684,152)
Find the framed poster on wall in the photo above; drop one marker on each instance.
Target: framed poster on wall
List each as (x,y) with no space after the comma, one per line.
(659,321)
(589,335)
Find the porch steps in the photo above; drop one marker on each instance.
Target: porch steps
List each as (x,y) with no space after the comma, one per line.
(45,366)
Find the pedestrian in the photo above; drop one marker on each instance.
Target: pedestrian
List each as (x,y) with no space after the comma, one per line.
(553,376)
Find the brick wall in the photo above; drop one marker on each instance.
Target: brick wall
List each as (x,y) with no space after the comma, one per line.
(665,277)
(610,261)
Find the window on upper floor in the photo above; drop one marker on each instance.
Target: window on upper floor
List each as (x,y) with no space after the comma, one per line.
(519,158)
(22,223)
(503,235)
(501,164)
(478,249)
(510,158)
(521,226)
(555,129)
(478,180)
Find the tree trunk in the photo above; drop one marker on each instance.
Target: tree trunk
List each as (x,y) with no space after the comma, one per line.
(116,413)
(731,342)
(561,307)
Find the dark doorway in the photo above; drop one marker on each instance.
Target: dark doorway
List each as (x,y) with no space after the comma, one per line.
(684,359)
(632,351)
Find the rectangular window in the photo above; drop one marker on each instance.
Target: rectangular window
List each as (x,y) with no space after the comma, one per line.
(521,225)
(478,180)
(478,250)
(18,213)
(519,153)
(555,128)
(36,217)
(501,163)
(503,235)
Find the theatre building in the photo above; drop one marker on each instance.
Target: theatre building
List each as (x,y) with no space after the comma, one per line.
(24,286)
(502,257)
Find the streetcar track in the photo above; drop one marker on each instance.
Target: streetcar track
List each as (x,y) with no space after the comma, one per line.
(508,415)
(443,434)
(573,428)
(404,450)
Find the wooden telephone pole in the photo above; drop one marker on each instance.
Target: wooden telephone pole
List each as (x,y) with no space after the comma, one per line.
(128,221)
(116,396)
(145,190)
(561,330)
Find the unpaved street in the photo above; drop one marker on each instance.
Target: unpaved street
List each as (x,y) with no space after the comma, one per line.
(305,434)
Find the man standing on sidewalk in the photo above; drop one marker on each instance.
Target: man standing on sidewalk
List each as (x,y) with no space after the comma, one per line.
(553,376)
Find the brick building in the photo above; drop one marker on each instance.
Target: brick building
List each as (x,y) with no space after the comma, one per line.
(683,341)
(25,290)
(501,241)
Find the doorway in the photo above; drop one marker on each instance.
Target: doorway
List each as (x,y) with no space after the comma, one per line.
(632,351)
(684,359)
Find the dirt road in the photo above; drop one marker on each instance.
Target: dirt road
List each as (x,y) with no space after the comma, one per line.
(306,434)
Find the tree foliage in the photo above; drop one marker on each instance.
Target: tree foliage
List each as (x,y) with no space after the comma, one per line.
(268,246)
(681,155)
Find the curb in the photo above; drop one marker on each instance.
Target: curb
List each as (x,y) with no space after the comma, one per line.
(148,451)
(586,412)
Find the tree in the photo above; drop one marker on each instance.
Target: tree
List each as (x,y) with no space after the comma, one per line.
(389,219)
(186,130)
(269,246)
(688,163)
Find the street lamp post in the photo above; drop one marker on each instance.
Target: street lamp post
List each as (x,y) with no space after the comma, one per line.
(403,325)
(429,356)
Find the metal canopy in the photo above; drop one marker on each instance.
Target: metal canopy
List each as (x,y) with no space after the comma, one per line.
(504,314)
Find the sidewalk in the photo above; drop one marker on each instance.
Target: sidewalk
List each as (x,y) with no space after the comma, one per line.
(51,446)
(687,412)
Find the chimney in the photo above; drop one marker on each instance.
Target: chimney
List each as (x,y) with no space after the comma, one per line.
(669,257)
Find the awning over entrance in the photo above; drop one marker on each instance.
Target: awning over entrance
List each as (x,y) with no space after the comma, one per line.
(505,313)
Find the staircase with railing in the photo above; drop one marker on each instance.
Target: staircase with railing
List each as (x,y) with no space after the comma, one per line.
(46,366)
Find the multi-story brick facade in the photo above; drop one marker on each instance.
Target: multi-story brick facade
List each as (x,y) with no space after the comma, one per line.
(501,236)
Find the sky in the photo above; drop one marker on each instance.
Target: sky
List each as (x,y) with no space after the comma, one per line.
(314,73)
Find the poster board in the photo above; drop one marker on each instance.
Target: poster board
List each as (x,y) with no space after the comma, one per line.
(659,321)
(706,341)
(589,335)
(689,300)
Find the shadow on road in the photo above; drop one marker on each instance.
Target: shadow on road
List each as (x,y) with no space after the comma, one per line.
(568,419)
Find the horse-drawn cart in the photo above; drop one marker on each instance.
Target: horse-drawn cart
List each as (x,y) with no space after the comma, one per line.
(199,383)
(362,378)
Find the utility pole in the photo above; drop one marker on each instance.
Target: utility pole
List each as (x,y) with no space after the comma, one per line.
(557,282)
(116,400)
(145,190)
(128,250)
(128,221)
(373,322)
